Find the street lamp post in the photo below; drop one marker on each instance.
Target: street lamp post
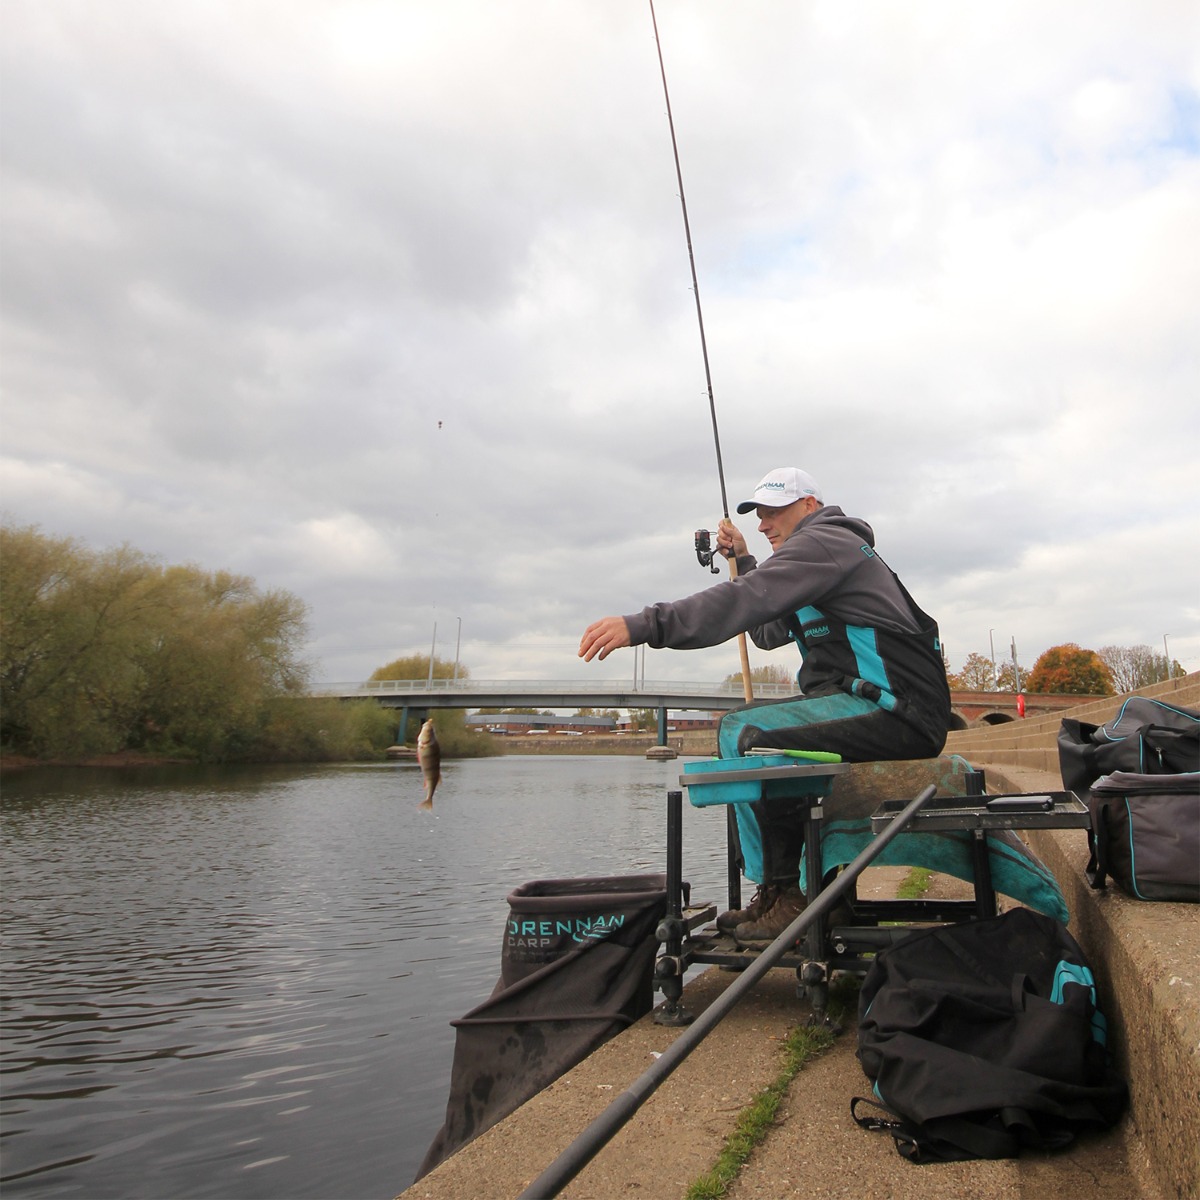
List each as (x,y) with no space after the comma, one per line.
(457,647)
(1166,656)
(432,648)
(992,646)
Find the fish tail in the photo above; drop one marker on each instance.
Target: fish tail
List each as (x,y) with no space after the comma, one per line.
(430,788)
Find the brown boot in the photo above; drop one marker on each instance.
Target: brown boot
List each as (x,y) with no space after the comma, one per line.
(764,897)
(789,904)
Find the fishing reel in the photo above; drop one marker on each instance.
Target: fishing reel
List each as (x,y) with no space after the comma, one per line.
(705,551)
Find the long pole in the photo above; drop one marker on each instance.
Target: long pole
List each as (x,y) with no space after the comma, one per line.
(747,687)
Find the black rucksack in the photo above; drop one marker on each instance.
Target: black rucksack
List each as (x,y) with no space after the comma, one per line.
(1146,737)
(984,1038)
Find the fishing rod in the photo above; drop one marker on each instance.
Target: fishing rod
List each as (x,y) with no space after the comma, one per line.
(703,545)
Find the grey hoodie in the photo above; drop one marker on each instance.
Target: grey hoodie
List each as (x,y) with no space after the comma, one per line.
(826,589)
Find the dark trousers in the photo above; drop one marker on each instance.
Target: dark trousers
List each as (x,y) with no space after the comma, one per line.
(771,832)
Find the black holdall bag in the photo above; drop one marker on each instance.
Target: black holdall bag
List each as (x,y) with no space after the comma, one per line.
(1147,737)
(983,1039)
(1146,835)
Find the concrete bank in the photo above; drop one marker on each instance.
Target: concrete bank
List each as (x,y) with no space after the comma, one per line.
(1147,957)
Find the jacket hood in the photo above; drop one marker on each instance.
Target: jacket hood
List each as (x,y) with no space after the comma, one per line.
(832,515)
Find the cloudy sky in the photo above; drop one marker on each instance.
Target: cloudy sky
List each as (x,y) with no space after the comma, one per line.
(387,303)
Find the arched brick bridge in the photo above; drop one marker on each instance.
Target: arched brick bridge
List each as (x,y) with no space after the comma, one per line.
(995,708)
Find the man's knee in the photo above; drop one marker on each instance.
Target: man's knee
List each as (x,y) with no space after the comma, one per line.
(747,738)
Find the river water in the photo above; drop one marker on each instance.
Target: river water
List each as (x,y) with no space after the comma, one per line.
(238,982)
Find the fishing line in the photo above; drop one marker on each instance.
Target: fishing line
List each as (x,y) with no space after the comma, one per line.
(747,686)
(687,231)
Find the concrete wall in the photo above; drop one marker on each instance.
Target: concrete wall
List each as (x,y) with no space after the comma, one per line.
(1033,742)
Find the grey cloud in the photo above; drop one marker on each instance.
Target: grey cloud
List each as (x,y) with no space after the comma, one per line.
(254,255)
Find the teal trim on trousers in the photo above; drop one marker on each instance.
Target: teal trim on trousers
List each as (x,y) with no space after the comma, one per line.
(776,714)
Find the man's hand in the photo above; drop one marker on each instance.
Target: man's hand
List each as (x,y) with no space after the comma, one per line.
(730,542)
(601,637)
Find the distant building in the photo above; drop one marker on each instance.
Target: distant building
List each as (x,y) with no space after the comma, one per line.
(514,723)
(677,721)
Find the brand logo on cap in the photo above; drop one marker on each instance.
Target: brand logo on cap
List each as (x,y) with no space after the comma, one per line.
(781,487)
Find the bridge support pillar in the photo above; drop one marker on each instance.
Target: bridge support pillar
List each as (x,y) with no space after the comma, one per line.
(403,726)
(662,726)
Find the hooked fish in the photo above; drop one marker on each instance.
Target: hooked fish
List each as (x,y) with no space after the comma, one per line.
(429,756)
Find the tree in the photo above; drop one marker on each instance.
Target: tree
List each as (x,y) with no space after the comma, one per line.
(222,650)
(1133,667)
(102,651)
(1007,678)
(416,667)
(65,615)
(641,719)
(456,739)
(771,673)
(977,675)
(307,729)
(1070,670)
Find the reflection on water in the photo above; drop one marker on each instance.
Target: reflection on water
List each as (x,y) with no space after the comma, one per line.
(239,982)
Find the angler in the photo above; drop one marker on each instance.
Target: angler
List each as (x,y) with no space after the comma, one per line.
(872,679)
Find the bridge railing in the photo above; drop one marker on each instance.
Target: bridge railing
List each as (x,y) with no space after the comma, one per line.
(418,687)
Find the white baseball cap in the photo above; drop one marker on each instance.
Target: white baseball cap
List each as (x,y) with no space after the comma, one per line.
(781,487)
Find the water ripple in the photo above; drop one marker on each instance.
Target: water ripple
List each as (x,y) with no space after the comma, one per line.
(215,981)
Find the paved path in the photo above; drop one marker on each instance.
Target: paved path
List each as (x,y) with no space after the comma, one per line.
(814,1151)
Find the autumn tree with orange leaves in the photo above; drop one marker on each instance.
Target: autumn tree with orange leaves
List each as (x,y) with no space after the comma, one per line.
(1069,669)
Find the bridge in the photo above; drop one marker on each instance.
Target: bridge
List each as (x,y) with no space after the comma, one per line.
(420,696)
(995,708)
(423,695)
(550,693)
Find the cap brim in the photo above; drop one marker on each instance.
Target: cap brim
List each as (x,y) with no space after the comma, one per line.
(748,505)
